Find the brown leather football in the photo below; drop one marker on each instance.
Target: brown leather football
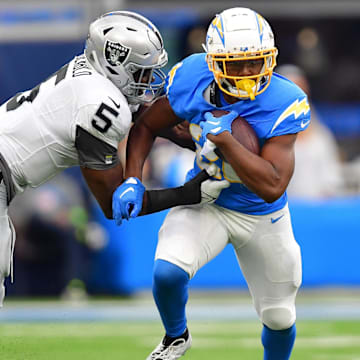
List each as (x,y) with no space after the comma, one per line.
(242,132)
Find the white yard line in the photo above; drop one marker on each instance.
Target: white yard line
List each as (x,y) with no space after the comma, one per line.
(326,342)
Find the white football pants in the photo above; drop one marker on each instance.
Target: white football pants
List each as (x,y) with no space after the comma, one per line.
(7,242)
(267,252)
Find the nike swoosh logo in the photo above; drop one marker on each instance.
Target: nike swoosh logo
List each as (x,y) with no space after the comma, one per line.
(126,191)
(116,105)
(274,220)
(214,122)
(214,131)
(303,124)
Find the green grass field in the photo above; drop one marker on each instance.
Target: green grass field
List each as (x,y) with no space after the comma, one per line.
(317,340)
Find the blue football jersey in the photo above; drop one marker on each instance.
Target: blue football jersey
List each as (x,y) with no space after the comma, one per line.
(281,109)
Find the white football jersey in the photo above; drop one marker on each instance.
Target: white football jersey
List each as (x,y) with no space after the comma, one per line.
(75,117)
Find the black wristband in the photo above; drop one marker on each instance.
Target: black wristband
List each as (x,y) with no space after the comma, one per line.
(188,194)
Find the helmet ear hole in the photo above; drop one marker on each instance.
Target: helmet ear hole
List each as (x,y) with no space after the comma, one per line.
(122,43)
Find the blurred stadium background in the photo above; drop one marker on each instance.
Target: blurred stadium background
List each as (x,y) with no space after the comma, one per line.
(82,282)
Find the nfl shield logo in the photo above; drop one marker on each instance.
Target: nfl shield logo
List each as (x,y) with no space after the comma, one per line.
(115,53)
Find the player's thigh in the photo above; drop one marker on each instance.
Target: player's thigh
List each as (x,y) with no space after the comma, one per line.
(7,238)
(271,264)
(191,236)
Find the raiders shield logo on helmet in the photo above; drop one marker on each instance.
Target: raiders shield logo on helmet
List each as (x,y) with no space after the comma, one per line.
(115,53)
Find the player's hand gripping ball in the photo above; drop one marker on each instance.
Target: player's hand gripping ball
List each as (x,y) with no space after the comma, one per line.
(242,131)
(215,126)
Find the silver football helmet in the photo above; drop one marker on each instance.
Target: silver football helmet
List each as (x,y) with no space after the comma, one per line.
(128,49)
(240,34)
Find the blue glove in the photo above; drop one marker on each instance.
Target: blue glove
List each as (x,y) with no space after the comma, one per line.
(217,125)
(127,200)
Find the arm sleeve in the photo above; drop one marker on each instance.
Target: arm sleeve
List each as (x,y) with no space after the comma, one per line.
(94,153)
(188,194)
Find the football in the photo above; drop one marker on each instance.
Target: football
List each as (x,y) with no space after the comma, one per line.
(242,132)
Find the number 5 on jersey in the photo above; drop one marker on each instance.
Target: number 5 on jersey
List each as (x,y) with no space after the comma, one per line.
(102,120)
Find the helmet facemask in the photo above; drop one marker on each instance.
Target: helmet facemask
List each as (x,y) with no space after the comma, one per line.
(242,86)
(147,83)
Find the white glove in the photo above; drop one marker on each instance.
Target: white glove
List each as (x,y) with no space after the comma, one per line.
(211,189)
(207,151)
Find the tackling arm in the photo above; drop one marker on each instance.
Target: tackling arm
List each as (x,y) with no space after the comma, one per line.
(102,184)
(130,199)
(267,175)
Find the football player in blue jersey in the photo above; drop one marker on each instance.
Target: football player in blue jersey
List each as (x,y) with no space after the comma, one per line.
(235,74)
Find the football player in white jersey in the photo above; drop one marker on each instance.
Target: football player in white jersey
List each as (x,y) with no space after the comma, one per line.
(79,115)
(235,74)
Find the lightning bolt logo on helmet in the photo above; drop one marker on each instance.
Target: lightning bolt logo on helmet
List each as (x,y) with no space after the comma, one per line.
(219,28)
(260,22)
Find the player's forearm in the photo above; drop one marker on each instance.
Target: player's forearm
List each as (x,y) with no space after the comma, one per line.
(139,144)
(258,174)
(179,135)
(158,200)
(188,194)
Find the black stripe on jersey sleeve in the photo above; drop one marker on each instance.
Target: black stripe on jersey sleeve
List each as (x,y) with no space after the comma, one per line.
(94,153)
